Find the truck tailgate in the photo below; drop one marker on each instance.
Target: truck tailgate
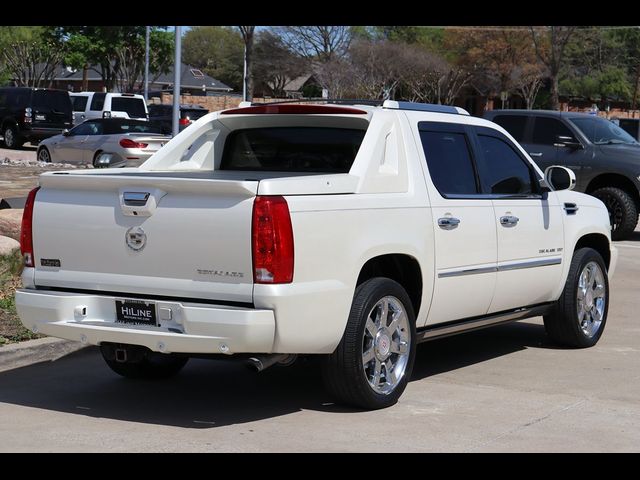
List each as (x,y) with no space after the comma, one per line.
(190,238)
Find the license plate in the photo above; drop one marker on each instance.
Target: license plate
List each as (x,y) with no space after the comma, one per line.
(40,117)
(136,312)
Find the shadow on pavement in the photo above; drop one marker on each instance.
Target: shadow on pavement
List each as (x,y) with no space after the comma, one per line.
(213,393)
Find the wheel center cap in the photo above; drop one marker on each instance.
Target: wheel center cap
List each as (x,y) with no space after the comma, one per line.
(383,343)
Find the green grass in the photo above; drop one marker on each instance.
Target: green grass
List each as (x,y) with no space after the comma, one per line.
(11,330)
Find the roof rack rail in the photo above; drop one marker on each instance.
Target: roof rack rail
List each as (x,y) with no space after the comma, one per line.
(347,101)
(424,107)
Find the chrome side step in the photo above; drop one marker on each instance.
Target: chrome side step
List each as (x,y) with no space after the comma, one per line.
(466,325)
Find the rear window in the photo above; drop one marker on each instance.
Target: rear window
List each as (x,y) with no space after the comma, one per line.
(114,128)
(133,106)
(52,101)
(292,149)
(79,103)
(192,114)
(514,124)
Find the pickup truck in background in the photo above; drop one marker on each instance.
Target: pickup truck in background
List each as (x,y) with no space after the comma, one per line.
(352,232)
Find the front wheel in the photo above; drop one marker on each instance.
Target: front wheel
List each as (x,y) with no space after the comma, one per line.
(623,213)
(44,155)
(372,365)
(131,361)
(579,317)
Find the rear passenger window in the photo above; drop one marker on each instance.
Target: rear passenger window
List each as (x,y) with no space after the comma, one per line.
(501,169)
(97,102)
(514,124)
(545,130)
(449,162)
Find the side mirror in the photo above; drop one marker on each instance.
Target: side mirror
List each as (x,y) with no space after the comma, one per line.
(65,132)
(559,178)
(109,160)
(569,142)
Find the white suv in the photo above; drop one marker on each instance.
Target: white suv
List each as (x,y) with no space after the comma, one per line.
(89,105)
(348,232)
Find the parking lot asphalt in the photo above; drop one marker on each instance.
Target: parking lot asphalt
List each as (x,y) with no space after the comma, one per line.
(504,389)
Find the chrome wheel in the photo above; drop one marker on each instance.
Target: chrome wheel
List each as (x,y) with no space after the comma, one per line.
(9,139)
(591,299)
(386,345)
(43,155)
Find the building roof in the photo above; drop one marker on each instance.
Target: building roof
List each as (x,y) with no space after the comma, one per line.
(191,77)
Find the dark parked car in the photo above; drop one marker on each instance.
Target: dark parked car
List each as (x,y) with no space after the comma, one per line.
(605,158)
(162,115)
(33,114)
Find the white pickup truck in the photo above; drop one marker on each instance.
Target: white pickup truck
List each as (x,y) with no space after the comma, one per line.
(352,232)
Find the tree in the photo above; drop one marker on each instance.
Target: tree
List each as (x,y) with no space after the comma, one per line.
(29,56)
(217,51)
(320,42)
(275,65)
(550,44)
(247,33)
(131,57)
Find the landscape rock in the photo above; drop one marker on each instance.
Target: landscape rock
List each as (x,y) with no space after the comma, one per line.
(8,245)
(10,222)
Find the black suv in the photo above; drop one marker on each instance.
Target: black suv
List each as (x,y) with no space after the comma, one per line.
(162,116)
(605,158)
(33,114)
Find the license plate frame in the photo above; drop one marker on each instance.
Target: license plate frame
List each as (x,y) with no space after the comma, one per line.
(136,312)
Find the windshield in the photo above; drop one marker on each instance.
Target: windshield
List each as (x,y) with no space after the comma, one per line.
(602,132)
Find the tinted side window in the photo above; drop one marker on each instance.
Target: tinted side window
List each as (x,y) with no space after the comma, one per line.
(514,124)
(546,129)
(501,169)
(97,102)
(79,103)
(133,106)
(86,128)
(449,162)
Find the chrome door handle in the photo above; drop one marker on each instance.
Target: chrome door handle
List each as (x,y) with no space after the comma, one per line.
(535,154)
(448,223)
(509,221)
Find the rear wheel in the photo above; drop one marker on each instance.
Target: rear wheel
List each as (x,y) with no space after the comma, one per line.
(12,138)
(44,155)
(372,365)
(579,317)
(623,213)
(132,361)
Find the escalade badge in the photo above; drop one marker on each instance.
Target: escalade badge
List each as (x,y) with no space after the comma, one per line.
(136,238)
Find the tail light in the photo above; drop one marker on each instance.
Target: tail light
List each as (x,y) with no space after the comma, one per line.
(272,240)
(128,143)
(27,115)
(26,233)
(184,121)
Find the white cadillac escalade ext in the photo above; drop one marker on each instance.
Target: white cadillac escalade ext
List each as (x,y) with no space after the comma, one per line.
(352,232)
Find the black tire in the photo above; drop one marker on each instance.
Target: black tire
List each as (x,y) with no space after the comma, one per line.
(623,212)
(562,324)
(12,138)
(46,155)
(142,363)
(343,371)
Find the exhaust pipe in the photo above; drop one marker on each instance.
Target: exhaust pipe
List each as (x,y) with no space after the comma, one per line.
(262,362)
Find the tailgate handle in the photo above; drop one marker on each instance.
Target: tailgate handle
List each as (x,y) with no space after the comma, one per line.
(135,199)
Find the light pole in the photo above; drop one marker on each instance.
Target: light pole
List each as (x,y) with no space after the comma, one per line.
(146,64)
(177,70)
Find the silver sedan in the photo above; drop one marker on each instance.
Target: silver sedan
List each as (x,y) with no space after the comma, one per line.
(132,140)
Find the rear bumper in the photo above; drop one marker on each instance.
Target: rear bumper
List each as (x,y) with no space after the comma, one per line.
(193,327)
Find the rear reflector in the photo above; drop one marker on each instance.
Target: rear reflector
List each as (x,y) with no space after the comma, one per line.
(128,143)
(272,240)
(26,232)
(289,109)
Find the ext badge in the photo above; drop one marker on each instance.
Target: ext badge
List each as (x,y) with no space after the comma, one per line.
(136,238)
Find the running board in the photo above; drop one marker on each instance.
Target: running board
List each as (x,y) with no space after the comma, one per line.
(461,326)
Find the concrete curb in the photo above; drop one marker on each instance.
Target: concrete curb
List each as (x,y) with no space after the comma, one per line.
(47,349)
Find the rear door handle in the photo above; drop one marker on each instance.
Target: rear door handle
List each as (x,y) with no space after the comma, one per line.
(535,154)
(448,223)
(509,221)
